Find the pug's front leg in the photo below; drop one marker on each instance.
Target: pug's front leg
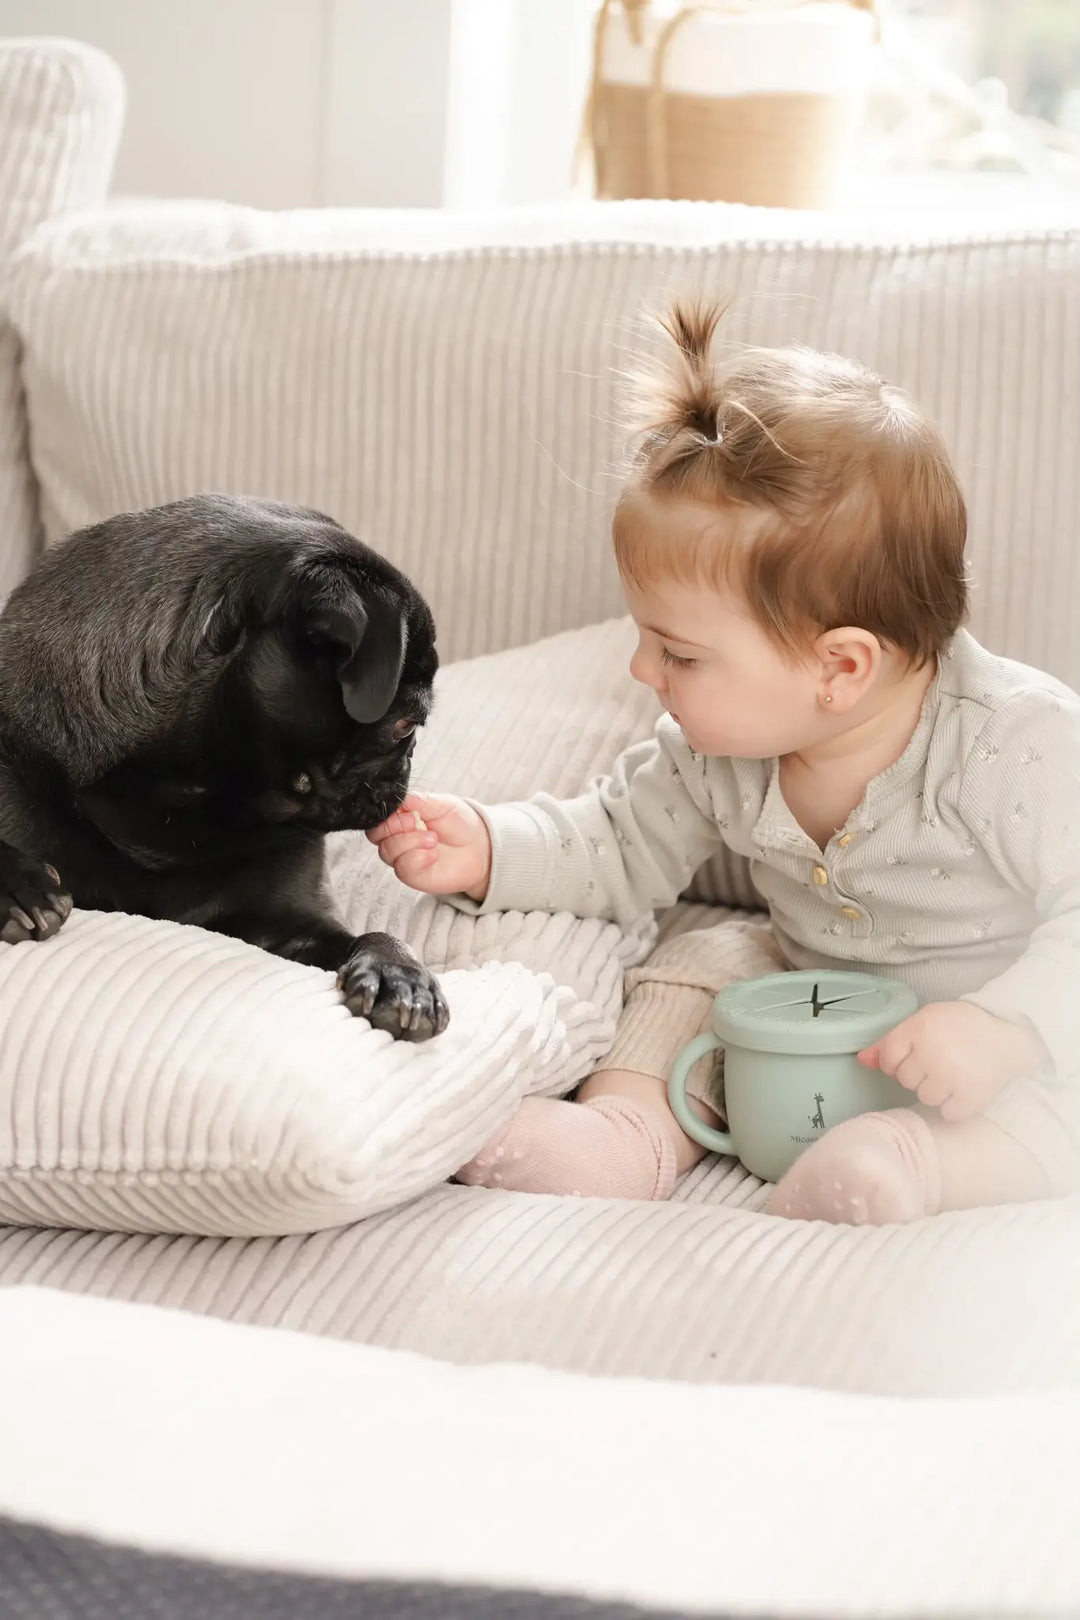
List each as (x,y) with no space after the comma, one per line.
(383,981)
(380,977)
(33,901)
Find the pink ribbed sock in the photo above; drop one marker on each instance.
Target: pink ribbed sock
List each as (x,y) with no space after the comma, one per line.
(608,1147)
(870,1171)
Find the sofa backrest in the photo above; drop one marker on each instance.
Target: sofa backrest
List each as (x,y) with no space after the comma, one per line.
(447,386)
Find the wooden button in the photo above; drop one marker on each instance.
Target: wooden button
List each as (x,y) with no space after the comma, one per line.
(821,877)
(846,840)
(850,913)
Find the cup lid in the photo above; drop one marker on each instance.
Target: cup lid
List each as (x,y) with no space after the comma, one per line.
(811,1011)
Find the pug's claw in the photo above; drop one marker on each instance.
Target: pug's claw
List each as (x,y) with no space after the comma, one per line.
(399,996)
(33,906)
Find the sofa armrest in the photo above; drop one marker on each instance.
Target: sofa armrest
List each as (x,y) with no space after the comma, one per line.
(61,113)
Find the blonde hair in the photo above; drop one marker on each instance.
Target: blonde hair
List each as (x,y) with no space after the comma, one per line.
(839,501)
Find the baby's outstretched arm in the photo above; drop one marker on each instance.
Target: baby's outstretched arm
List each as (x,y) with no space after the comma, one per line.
(627,845)
(438,844)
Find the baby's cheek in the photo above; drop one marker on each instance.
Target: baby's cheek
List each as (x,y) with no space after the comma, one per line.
(707,735)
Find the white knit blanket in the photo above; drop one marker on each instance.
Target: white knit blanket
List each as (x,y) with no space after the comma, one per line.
(280,1451)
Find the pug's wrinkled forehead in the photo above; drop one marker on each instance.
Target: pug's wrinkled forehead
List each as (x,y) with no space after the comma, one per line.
(131,622)
(310,575)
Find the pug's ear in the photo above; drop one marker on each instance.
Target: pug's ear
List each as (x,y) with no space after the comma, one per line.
(370,653)
(224,626)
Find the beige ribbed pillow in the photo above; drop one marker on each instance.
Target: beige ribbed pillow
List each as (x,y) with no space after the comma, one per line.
(159,1078)
(61,111)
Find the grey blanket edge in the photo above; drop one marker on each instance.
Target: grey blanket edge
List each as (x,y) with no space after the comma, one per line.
(48,1574)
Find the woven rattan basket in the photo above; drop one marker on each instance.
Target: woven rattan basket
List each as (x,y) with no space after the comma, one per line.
(669,135)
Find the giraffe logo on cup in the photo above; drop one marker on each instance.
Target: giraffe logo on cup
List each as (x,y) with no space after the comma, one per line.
(817,1120)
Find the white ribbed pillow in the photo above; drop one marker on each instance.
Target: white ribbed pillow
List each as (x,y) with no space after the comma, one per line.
(61,110)
(159,1078)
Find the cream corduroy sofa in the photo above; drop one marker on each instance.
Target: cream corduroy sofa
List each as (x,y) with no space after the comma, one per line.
(445,386)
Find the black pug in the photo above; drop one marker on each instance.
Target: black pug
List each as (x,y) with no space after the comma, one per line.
(190,698)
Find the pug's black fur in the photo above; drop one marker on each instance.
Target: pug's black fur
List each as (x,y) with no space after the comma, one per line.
(190,698)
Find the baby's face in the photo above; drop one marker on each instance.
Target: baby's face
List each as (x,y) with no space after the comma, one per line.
(732,691)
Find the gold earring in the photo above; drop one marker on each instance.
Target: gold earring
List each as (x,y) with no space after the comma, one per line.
(826,697)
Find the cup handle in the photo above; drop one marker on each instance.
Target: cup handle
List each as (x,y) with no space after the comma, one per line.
(716,1141)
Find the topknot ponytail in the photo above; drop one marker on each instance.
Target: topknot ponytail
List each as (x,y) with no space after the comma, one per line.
(676,402)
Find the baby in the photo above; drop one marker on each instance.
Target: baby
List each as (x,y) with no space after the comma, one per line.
(790,537)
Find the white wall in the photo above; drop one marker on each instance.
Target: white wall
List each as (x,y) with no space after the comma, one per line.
(519,71)
(297,103)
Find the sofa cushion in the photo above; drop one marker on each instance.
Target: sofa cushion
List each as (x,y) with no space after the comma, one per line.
(978,1303)
(446,385)
(61,110)
(315,1116)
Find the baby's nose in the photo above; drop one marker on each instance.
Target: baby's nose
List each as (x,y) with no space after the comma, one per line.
(643,669)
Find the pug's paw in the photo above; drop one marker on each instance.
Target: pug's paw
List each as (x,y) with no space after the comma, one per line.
(384,983)
(33,902)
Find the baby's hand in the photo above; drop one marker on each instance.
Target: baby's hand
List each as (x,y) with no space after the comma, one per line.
(955,1056)
(437,844)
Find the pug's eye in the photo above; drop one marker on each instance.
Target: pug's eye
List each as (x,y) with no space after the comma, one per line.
(403,729)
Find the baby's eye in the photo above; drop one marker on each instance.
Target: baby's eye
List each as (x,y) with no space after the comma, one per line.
(673,658)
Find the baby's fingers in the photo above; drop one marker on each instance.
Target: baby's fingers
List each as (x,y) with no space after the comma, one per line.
(934,1090)
(968,1096)
(414,868)
(394,845)
(894,1054)
(955,1110)
(402,821)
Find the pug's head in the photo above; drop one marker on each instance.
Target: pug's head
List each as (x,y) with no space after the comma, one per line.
(314,720)
(236,663)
